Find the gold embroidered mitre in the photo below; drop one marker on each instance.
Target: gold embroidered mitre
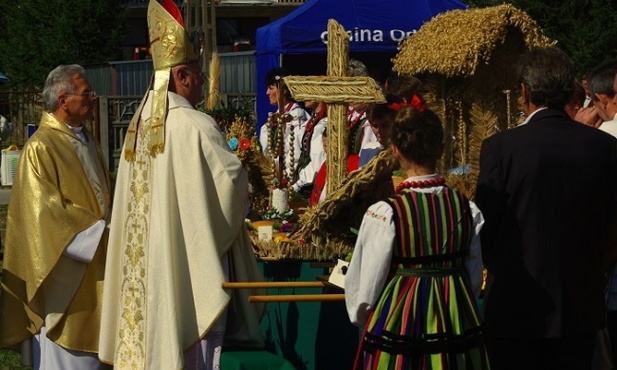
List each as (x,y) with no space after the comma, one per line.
(170,45)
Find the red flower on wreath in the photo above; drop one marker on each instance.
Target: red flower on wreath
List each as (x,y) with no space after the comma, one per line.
(245,143)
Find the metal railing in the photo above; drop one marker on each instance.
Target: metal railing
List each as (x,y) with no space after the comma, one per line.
(21,108)
(112,115)
(115,114)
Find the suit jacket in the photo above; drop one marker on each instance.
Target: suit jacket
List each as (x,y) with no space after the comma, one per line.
(547,190)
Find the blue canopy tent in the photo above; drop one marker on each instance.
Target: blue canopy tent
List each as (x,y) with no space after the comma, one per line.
(374,27)
(3,77)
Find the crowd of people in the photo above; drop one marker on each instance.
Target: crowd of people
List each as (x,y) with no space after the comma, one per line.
(136,282)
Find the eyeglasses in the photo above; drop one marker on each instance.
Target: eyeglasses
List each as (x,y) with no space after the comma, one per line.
(86,94)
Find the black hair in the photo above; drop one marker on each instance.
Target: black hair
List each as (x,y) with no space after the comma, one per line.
(274,75)
(418,135)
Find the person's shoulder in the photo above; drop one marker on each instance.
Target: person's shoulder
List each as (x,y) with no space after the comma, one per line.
(191,123)
(371,145)
(505,136)
(194,118)
(297,108)
(608,135)
(44,137)
(379,212)
(298,112)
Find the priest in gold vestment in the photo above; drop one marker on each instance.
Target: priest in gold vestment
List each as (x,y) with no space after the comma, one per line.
(177,231)
(54,257)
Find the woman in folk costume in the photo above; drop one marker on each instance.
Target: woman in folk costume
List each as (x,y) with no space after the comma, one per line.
(177,230)
(312,153)
(409,280)
(289,114)
(318,194)
(360,133)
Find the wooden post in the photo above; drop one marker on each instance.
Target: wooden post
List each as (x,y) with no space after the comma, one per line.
(103,117)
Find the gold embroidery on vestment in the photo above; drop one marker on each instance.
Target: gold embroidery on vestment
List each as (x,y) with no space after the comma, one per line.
(130,351)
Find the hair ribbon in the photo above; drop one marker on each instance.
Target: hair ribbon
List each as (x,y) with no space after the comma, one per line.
(415,102)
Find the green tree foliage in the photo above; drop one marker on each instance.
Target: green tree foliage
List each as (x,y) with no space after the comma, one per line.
(585,29)
(38,35)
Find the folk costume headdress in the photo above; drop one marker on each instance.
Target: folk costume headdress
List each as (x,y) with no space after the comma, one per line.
(170,46)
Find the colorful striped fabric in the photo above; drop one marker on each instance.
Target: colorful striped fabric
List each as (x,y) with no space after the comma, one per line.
(426,317)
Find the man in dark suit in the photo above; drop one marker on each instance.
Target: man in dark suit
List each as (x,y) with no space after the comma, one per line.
(548,192)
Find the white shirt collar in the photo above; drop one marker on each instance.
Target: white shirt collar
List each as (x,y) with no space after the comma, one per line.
(531,115)
(79,132)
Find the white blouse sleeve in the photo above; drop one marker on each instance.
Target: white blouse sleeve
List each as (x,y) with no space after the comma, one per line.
(370,264)
(317,155)
(297,124)
(473,260)
(263,138)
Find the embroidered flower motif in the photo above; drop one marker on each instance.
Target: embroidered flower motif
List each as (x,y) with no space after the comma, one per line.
(377,216)
(233,144)
(245,143)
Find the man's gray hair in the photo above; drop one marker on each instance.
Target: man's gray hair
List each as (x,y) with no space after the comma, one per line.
(549,75)
(60,81)
(357,68)
(601,79)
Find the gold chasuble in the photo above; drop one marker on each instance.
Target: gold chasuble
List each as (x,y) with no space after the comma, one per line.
(68,190)
(178,214)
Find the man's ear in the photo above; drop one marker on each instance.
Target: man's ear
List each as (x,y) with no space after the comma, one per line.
(62,101)
(601,100)
(524,95)
(604,97)
(179,75)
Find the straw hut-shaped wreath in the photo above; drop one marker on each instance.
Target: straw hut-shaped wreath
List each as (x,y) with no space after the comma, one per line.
(466,59)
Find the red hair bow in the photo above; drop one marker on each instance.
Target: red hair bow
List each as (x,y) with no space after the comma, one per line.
(415,102)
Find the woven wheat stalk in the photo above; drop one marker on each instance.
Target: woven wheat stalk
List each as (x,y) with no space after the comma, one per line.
(213,81)
(337,65)
(259,167)
(337,89)
(455,43)
(325,228)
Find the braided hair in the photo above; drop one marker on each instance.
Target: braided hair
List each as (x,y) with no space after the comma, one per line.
(418,135)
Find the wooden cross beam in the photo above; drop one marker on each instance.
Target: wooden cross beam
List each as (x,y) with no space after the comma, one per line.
(337,90)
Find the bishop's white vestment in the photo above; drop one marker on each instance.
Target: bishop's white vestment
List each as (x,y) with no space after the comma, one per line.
(178,217)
